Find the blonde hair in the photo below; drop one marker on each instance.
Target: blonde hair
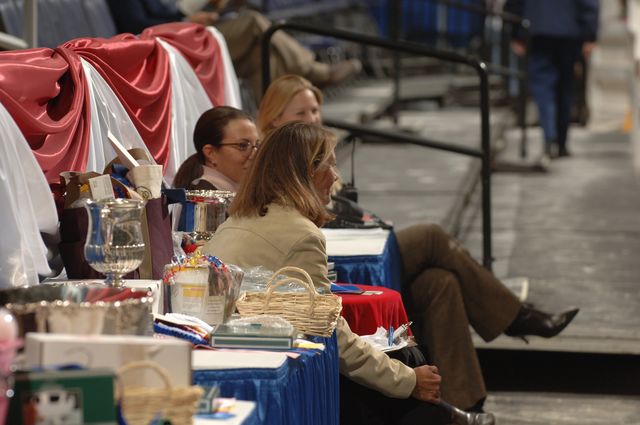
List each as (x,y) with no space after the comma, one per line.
(277,98)
(282,172)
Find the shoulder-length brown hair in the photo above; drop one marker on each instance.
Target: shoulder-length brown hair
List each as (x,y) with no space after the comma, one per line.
(277,98)
(282,173)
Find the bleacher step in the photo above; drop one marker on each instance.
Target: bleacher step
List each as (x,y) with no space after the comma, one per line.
(546,408)
(571,343)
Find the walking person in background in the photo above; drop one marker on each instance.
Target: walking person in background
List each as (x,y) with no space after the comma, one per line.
(560,32)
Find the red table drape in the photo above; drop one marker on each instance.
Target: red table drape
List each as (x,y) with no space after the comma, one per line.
(45,92)
(138,72)
(365,313)
(200,49)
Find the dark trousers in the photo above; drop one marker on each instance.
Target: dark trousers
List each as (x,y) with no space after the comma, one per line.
(445,290)
(362,406)
(551,81)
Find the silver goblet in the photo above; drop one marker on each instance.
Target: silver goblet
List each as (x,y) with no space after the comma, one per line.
(114,245)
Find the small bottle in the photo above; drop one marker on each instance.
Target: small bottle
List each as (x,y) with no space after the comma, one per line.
(9,344)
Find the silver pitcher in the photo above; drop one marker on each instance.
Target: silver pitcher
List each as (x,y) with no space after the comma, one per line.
(114,245)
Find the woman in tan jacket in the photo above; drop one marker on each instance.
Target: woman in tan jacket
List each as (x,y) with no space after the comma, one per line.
(274,222)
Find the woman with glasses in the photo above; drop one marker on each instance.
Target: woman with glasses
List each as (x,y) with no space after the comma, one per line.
(444,289)
(226,140)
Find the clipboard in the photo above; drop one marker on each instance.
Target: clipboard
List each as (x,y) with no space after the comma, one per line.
(346,289)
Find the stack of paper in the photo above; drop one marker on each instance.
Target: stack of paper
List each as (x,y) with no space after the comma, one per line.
(260,337)
(347,242)
(236,359)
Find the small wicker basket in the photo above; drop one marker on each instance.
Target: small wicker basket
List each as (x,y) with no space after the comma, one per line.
(140,405)
(310,312)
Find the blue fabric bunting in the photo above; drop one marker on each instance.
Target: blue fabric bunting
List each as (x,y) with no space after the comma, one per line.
(302,391)
(378,270)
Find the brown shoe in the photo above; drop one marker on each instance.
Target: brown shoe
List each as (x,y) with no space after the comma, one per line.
(342,71)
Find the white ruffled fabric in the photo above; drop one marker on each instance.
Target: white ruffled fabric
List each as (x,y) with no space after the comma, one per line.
(231,85)
(28,209)
(189,100)
(107,115)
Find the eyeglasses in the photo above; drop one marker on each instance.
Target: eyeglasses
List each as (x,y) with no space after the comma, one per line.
(243,146)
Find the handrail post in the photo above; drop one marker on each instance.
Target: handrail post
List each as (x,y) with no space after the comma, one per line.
(395,20)
(485,128)
(524,90)
(30,23)
(265,53)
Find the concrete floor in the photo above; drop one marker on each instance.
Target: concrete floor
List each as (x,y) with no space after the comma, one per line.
(575,232)
(517,408)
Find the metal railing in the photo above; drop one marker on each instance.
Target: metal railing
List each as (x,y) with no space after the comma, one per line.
(30,25)
(484,153)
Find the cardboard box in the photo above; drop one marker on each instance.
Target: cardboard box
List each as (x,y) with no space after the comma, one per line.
(112,351)
(73,397)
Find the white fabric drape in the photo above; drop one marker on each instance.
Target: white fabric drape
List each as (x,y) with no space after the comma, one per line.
(27,210)
(231,86)
(189,100)
(107,114)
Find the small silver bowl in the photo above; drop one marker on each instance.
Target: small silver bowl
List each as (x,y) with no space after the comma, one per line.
(80,308)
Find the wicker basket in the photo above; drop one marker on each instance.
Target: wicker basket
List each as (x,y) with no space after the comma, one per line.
(310,312)
(140,405)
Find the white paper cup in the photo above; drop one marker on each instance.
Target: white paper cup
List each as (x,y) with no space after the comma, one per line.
(148,180)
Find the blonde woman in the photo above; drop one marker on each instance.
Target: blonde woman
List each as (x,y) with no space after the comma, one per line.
(289,98)
(444,289)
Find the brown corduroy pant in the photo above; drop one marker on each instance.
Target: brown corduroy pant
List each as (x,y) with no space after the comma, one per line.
(446,290)
(288,56)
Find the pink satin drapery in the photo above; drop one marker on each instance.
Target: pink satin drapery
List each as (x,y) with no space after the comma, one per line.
(200,49)
(138,72)
(45,92)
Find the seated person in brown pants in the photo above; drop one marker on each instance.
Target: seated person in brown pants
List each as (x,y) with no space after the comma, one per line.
(445,290)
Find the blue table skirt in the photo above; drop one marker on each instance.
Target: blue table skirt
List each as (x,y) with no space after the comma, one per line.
(302,391)
(378,270)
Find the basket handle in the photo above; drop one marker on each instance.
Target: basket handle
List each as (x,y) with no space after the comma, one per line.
(142,364)
(308,284)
